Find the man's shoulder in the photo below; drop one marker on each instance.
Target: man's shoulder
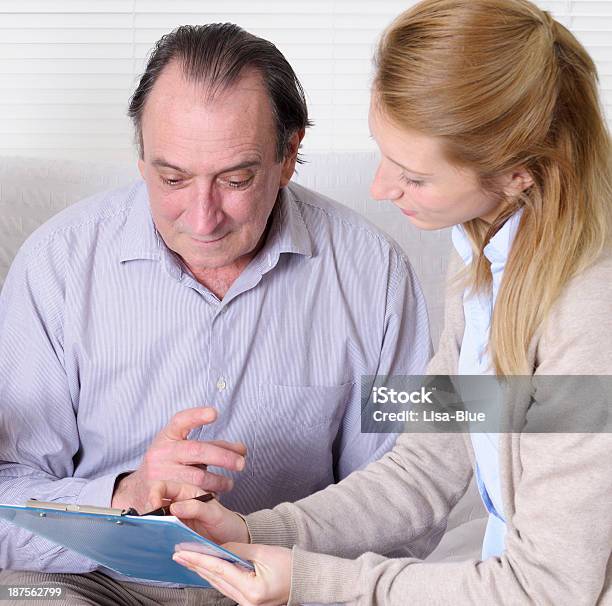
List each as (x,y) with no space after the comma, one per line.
(95,210)
(317,209)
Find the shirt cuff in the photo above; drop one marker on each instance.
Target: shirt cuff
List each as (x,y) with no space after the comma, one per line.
(271,527)
(98,492)
(324,579)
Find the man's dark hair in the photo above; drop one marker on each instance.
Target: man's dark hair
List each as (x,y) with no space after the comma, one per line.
(216,55)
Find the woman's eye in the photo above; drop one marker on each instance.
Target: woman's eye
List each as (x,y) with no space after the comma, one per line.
(409,181)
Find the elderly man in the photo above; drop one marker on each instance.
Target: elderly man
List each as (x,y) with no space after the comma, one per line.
(208,326)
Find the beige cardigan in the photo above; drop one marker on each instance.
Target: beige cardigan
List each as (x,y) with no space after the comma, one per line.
(556,489)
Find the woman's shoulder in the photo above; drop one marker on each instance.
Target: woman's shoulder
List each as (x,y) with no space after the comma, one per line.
(589,290)
(576,338)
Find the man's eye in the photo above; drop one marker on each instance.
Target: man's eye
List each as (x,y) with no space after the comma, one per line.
(234,184)
(170,182)
(238,183)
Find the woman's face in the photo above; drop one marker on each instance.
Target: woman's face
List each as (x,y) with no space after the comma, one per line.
(415,176)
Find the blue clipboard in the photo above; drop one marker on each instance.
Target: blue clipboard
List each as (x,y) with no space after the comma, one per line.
(137,547)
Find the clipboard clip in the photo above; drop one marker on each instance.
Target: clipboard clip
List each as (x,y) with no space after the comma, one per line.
(73,507)
(108,511)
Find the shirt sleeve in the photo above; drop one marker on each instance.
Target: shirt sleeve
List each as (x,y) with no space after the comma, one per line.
(405,350)
(39,437)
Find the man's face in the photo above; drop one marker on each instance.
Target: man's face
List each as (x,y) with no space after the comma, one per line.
(210,168)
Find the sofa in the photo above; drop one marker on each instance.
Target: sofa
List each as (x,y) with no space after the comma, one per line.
(34,189)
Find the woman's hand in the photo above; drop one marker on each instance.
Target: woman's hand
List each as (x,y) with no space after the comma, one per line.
(210,520)
(269,585)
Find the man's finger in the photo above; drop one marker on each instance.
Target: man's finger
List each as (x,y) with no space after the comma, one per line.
(237,447)
(213,482)
(196,476)
(185,420)
(194,452)
(173,491)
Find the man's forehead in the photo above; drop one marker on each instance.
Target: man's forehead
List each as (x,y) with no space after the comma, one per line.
(179,120)
(174,87)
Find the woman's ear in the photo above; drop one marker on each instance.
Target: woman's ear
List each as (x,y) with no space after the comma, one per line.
(517,182)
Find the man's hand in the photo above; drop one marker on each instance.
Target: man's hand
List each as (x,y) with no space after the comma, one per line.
(172,457)
(210,520)
(269,585)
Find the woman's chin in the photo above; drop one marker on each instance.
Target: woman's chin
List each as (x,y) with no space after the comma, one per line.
(427,224)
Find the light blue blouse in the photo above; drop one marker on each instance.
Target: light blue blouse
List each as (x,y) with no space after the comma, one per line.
(474,359)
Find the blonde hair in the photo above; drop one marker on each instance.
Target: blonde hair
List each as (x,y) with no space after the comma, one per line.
(505,86)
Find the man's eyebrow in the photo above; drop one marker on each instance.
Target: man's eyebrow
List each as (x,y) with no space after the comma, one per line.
(409,170)
(245,164)
(161,163)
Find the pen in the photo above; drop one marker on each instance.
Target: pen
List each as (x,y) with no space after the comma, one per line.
(165,511)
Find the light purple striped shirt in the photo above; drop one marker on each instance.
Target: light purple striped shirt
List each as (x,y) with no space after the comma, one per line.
(104,337)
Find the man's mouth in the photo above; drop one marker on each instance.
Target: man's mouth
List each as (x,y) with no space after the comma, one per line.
(205,241)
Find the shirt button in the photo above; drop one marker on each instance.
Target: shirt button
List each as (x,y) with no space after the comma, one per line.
(221,384)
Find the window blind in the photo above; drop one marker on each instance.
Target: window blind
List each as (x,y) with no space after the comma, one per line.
(68,67)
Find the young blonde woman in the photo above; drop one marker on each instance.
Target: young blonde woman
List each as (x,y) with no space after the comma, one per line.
(487,118)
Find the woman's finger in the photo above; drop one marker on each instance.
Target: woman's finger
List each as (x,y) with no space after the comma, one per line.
(199,565)
(247,551)
(223,586)
(236,576)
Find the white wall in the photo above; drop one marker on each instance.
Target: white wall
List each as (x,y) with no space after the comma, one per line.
(68,67)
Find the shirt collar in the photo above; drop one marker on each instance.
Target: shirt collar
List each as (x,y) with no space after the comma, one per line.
(288,232)
(462,243)
(140,239)
(498,248)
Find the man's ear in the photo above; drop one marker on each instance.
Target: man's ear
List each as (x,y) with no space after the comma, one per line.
(517,182)
(141,167)
(288,166)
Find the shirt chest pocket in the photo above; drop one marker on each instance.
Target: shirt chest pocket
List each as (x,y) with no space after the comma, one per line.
(296,429)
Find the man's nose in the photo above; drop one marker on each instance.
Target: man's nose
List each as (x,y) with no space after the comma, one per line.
(383,188)
(205,212)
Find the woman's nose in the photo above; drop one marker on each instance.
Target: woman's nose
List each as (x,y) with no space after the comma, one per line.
(382,188)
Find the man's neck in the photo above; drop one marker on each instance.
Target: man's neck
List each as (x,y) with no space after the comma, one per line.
(220,280)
